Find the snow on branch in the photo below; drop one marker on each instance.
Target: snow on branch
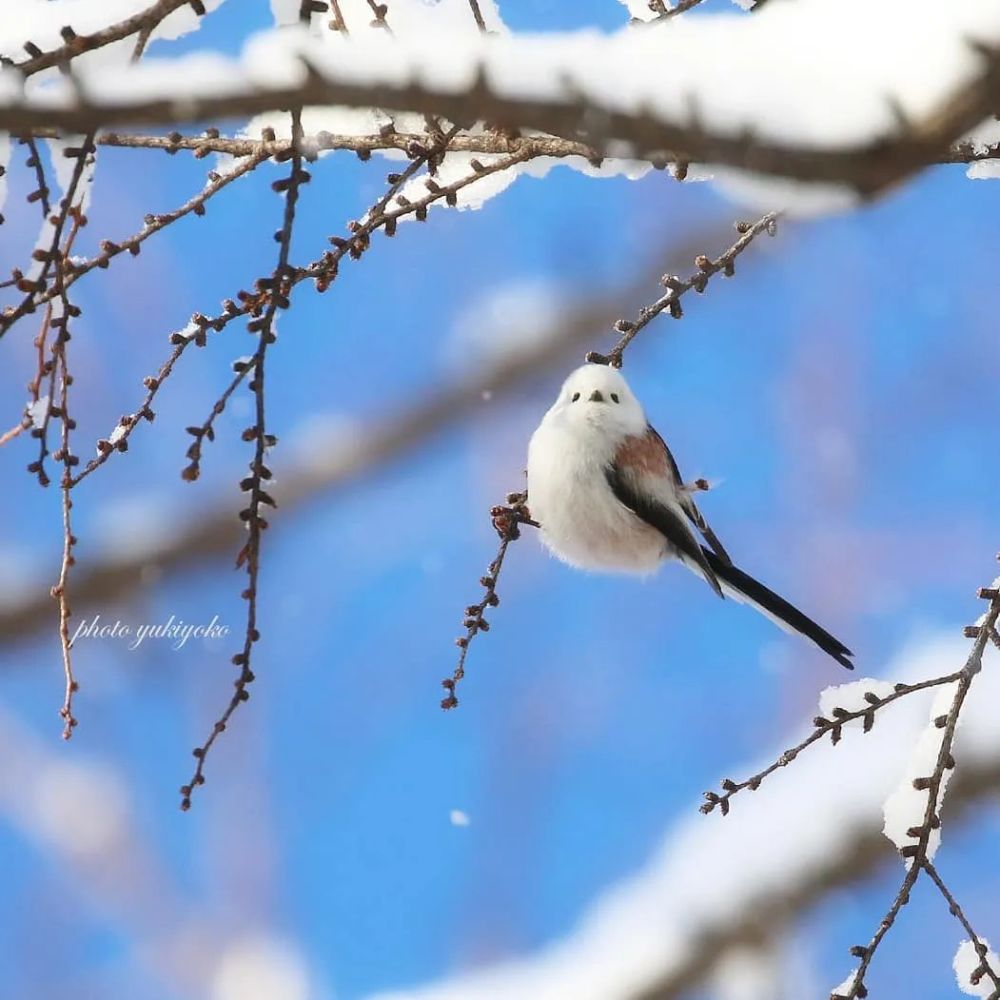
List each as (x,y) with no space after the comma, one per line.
(713,885)
(913,812)
(49,39)
(727,90)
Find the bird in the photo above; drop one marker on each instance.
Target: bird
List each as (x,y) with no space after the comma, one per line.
(607,495)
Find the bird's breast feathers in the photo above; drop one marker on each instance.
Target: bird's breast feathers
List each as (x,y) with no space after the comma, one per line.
(582,521)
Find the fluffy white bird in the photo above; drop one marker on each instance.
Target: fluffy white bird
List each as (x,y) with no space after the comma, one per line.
(608,495)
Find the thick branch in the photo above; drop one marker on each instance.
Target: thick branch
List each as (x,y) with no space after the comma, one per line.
(868,167)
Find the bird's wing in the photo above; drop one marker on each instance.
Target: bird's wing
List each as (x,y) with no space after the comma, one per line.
(625,482)
(687,503)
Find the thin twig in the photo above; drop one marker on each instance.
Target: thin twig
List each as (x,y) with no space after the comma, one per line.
(670,302)
(985,969)
(205,431)
(65,455)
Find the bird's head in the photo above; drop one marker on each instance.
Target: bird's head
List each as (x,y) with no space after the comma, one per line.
(597,397)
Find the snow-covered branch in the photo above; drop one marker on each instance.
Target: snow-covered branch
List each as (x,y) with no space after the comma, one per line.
(141,24)
(913,811)
(647,91)
(712,886)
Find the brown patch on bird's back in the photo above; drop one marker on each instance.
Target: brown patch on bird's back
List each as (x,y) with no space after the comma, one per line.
(642,453)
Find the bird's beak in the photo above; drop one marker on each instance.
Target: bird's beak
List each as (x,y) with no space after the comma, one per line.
(596,397)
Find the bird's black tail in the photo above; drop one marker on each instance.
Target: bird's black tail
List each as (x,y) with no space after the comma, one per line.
(744,588)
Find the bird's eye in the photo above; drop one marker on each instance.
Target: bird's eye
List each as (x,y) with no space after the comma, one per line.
(614,397)
(576,396)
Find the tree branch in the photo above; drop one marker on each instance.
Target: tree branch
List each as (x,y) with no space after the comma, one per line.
(143,23)
(868,167)
(493,142)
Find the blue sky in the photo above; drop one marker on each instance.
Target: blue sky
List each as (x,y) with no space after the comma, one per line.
(841,386)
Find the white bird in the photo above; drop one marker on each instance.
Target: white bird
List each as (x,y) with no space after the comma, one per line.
(608,495)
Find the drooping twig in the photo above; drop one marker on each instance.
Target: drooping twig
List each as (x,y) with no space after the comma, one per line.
(61,590)
(324,270)
(205,431)
(59,314)
(278,289)
(507,521)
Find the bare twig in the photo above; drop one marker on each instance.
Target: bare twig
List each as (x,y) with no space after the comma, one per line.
(670,302)
(34,161)
(985,969)
(205,431)
(64,454)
